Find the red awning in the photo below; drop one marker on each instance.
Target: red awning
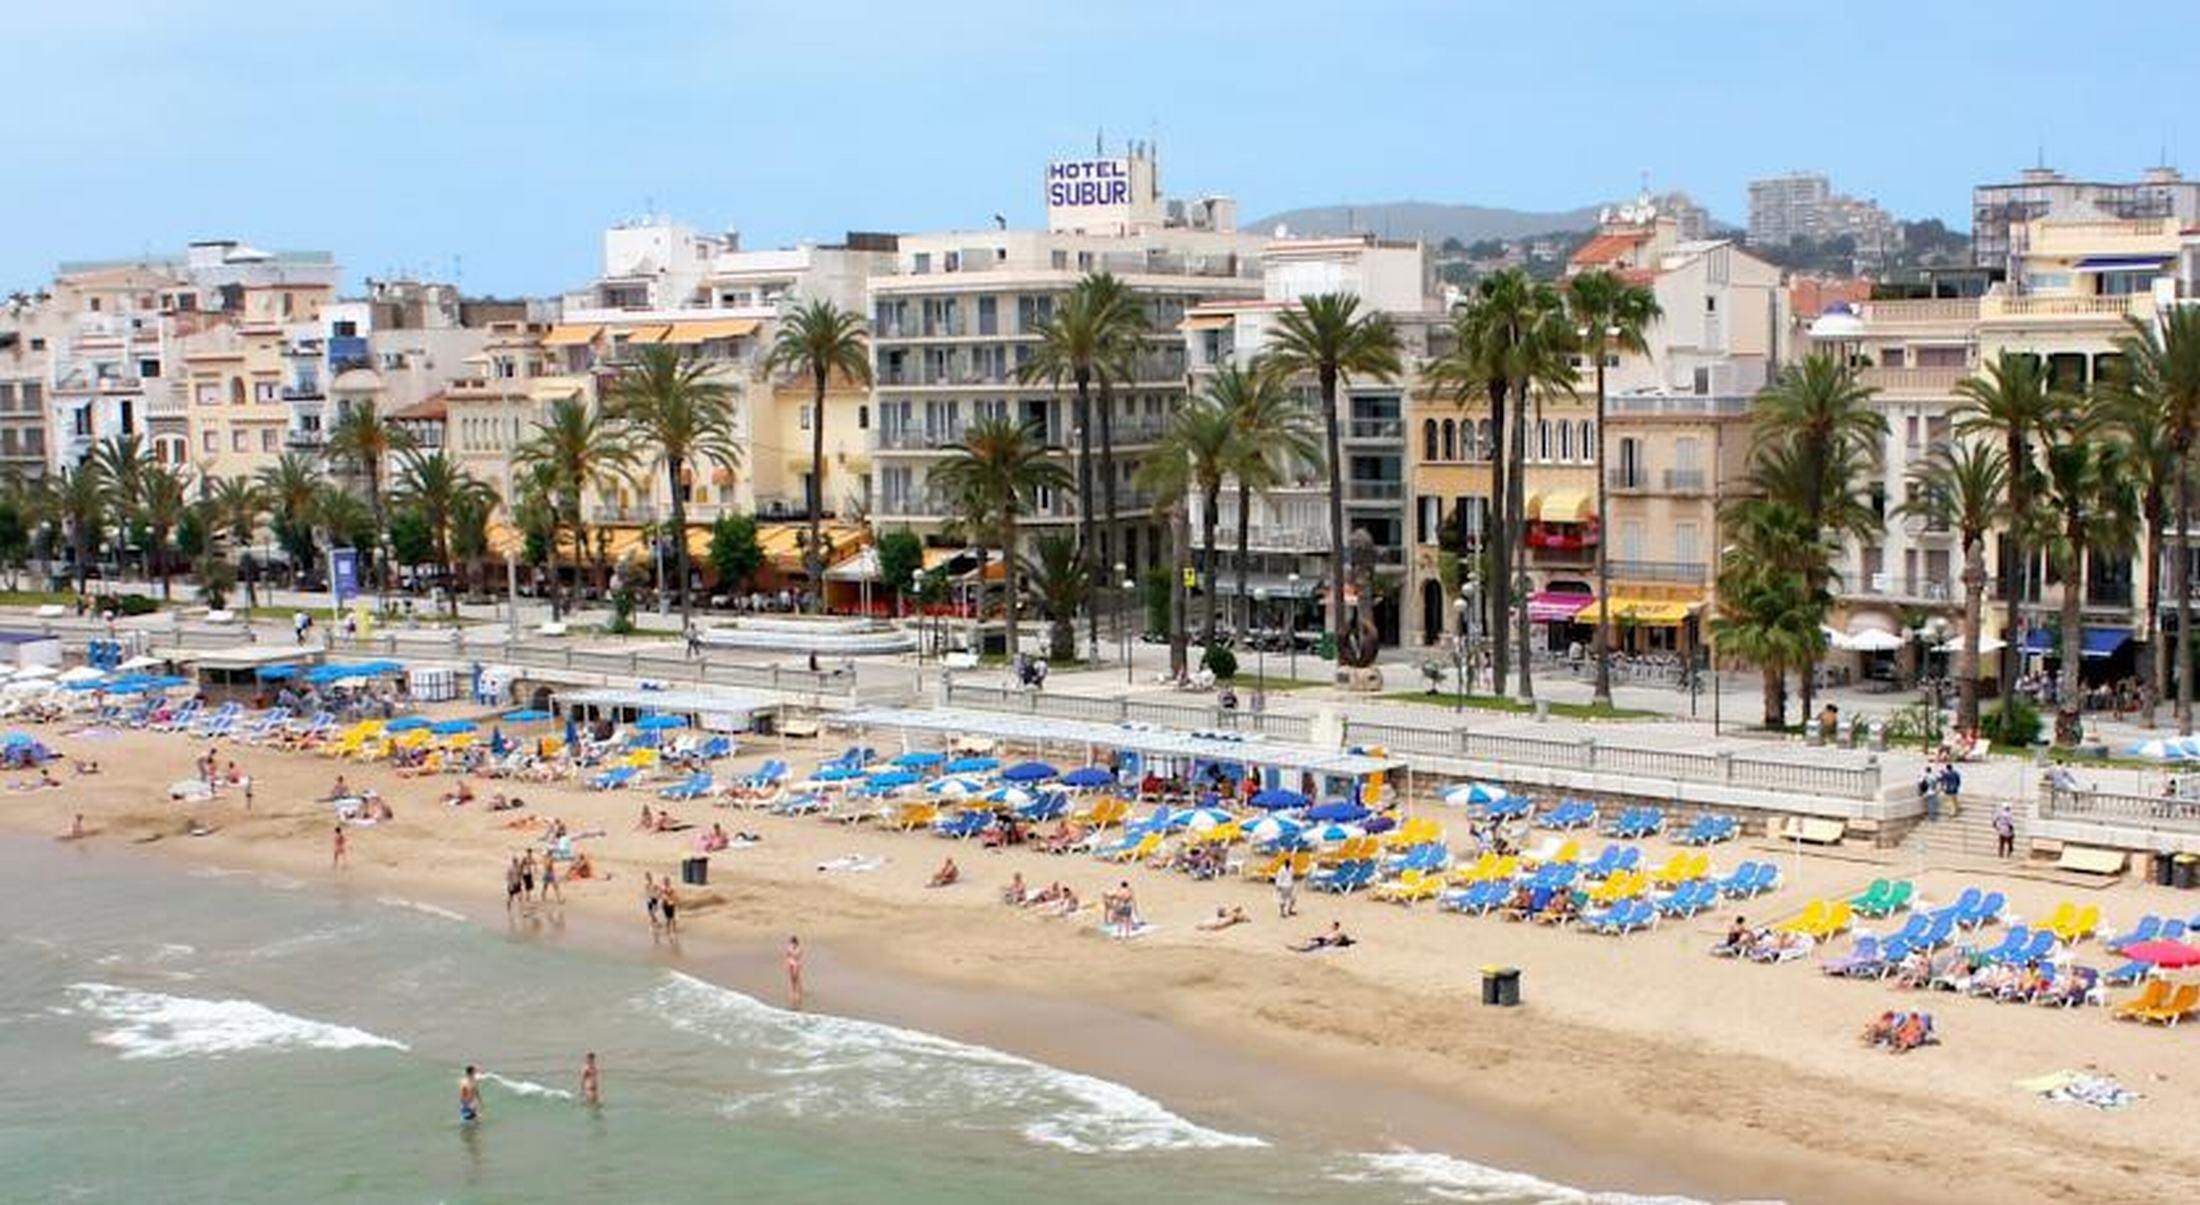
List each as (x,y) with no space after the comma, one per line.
(1547,607)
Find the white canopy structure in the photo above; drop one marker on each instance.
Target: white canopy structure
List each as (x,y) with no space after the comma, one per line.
(1136,738)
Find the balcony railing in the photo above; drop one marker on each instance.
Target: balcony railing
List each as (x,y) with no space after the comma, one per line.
(1624,480)
(1921,310)
(1374,491)
(2065,306)
(636,513)
(303,392)
(1914,380)
(1690,481)
(1923,587)
(1375,428)
(1685,572)
(305,441)
(915,439)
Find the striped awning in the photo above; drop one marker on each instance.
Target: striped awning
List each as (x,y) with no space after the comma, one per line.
(572,336)
(719,328)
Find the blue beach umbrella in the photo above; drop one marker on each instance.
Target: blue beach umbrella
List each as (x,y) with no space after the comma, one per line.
(527,715)
(406,723)
(1337,809)
(659,723)
(894,778)
(275,673)
(836,773)
(451,727)
(1468,794)
(955,788)
(973,765)
(1199,818)
(1030,771)
(920,758)
(1329,834)
(1088,776)
(1277,799)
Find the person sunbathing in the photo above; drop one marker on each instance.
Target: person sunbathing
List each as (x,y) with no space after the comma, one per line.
(1224,918)
(668,823)
(1916,1030)
(715,839)
(1014,894)
(1739,938)
(1335,939)
(947,875)
(460,795)
(583,868)
(1045,895)
(648,821)
(1915,970)
(1558,911)
(1882,1030)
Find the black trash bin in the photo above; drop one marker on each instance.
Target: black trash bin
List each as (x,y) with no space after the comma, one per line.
(695,870)
(2187,871)
(2165,868)
(1501,986)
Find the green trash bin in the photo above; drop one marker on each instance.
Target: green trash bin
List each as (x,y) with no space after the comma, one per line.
(1501,986)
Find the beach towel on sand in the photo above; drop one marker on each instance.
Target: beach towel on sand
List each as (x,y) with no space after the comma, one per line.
(2081,1088)
(852,863)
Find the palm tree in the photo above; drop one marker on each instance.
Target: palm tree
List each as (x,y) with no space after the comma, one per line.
(819,340)
(1815,434)
(2088,492)
(437,488)
(1611,316)
(1274,436)
(1199,449)
(1960,485)
(1771,600)
(2161,373)
(365,441)
(574,447)
(122,462)
(1326,337)
(234,506)
(2013,403)
(669,402)
(2154,481)
(78,499)
(470,515)
(1059,584)
(999,470)
(163,497)
(344,520)
(289,490)
(534,509)
(1509,342)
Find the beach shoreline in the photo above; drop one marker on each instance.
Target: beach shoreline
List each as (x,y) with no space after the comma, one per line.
(1226,1028)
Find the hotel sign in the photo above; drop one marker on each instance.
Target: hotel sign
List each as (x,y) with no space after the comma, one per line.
(1084,183)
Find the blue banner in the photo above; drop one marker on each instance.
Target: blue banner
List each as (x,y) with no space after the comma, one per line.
(343,565)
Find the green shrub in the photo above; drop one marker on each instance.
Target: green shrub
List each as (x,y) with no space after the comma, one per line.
(1221,662)
(2022,726)
(134,604)
(1916,724)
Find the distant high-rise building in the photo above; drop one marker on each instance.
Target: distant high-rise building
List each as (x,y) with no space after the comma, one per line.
(1999,211)
(1784,208)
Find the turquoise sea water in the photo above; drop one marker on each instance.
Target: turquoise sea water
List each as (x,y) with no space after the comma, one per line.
(174,1035)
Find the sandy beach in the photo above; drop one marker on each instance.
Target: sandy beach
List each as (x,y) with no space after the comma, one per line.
(1636,1062)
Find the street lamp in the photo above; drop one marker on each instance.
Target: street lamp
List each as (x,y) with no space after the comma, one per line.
(1459,641)
(1291,624)
(1260,645)
(1470,594)
(1123,627)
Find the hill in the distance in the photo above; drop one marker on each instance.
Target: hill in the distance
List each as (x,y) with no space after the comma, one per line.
(1426,220)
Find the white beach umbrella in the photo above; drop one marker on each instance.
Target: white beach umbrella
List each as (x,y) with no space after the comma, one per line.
(31,686)
(82,673)
(32,672)
(141,661)
(1330,834)
(1269,828)
(1468,794)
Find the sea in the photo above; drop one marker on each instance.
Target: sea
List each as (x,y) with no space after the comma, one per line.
(175,1034)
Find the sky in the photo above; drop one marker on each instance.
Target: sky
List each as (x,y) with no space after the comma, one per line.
(493,141)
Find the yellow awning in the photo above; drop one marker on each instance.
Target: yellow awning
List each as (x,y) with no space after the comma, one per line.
(1208,322)
(551,389)
(571,336)
(1561,506)
(647,334)
(1650,612)
(717,328)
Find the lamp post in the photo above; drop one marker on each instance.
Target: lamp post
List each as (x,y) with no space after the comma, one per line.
(1470,597)
(1291,625)
(1123,627)
(1260,646)
(1459,641)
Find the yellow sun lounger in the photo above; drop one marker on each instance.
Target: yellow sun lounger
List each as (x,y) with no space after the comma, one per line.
(2153,996)
(2180,1005)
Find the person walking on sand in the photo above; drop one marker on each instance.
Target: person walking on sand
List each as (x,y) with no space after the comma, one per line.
(591,1081)
(527,876)
(654,902)
(469,1097)
(794,972)
(341,852)
(1287,904)
(670,907)
(550,880)
(511,885)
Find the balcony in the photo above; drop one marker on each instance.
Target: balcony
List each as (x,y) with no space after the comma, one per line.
(1936,381)
(1923,311)
(1677,404)
(1692,573)
(1375,429)
(305,441)
(303,391)
(1374,491)
(2110,309)
(634,513)
(1909,587)
(1622,481)
(1684,481)
(917,439)
(1138,431)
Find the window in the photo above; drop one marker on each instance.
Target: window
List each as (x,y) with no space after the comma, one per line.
(1588,440)
(94,303)
(1428,518)
(805,413)
(38,344)
(210,394)
(148,368)
(1428,439)
(1482,442)
(267,439)
(1687,543)
(236,391)
(1565,441)
(1629,473)
(989,316)
(923,265)
(1543,439)
(237,436)
(1630,540)
(1891,357)
(34,441)
(263,391)
(1451,440)
(863,418)
(1703,382)
(1710,303)
(210,441)
(1685,452)
(34,395)
(344,329)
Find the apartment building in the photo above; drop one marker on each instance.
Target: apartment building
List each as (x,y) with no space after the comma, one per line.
(2001,211)
(29,328)
(1289,544)
(958,315)
(1675,440)
(1784,208)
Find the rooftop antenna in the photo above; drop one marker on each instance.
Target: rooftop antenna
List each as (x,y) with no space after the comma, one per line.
(1099,141)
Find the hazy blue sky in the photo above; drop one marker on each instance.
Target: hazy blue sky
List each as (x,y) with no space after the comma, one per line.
(403,133)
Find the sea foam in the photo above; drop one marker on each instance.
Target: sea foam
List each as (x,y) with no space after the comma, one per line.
(840,1066)
(391,901)
(1452,1179)
(524,1087)
(150,1025)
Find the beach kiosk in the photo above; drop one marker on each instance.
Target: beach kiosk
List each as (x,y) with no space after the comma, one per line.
(245,671)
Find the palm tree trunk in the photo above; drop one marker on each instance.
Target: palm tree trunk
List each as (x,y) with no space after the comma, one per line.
(1775,698)
(1602,695)
(814,555)
(1514,532)
(2069,715)
(1110,545)
(1207,538)
(1497,555)
(2012,569)
(1180,603)
(1967,660)
(680,536)
(2159,648)
(2181,567)
(1244,541)
(1088,547)
(1008,568)
(1332,444)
